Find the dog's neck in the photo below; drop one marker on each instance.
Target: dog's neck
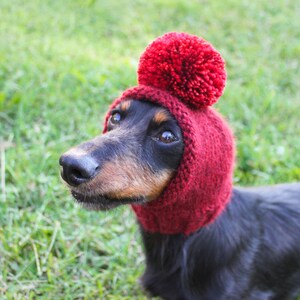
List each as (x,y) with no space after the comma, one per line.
(210,248)
(227,228)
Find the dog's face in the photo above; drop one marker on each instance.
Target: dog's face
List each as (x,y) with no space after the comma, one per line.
(132,163)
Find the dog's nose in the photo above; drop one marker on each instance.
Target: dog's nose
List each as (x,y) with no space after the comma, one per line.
(77,169)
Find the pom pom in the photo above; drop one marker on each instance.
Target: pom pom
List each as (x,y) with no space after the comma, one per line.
(186,66)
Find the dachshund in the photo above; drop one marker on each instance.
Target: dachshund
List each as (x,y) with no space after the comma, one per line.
(250,252)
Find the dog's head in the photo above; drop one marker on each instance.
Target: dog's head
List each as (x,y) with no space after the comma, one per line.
(131,163)
(163,126)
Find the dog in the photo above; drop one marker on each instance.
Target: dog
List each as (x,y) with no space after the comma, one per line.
(252,250)
(169,155)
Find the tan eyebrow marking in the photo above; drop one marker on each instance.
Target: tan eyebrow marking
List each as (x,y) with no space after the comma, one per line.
(161,116)
(125,105)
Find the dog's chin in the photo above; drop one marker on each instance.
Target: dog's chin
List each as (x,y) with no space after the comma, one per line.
(103,202)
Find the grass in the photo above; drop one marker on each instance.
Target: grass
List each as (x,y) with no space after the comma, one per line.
(61,64)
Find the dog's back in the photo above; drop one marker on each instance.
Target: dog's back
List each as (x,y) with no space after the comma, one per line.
(252,251)
(278,260)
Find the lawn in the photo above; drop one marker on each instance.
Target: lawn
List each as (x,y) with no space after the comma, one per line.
(61,64)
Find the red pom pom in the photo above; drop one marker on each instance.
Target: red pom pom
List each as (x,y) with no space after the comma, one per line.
(186,66)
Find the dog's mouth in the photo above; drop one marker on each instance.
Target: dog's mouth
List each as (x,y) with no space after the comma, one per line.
(103,202)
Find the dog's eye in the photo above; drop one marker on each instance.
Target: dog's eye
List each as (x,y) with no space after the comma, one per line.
(167,137)
(115,118)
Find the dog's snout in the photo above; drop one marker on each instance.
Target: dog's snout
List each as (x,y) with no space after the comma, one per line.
(78,169)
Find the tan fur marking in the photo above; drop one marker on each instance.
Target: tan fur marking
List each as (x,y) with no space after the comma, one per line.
(124,177)
(160,117)
(125,105)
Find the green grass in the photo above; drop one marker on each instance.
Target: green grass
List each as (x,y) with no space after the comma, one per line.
(61,64)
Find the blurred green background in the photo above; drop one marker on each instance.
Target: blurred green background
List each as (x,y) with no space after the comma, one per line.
(61,64)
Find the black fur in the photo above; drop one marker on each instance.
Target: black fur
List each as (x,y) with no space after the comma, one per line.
(251,252)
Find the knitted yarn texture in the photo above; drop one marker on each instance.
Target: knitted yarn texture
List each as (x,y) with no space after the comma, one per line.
(186,75)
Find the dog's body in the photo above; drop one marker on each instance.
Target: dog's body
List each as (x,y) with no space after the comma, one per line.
(250,252)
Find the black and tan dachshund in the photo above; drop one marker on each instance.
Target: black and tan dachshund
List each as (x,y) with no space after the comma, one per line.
(252,250)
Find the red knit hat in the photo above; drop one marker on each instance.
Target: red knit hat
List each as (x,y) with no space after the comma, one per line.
(186,75)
